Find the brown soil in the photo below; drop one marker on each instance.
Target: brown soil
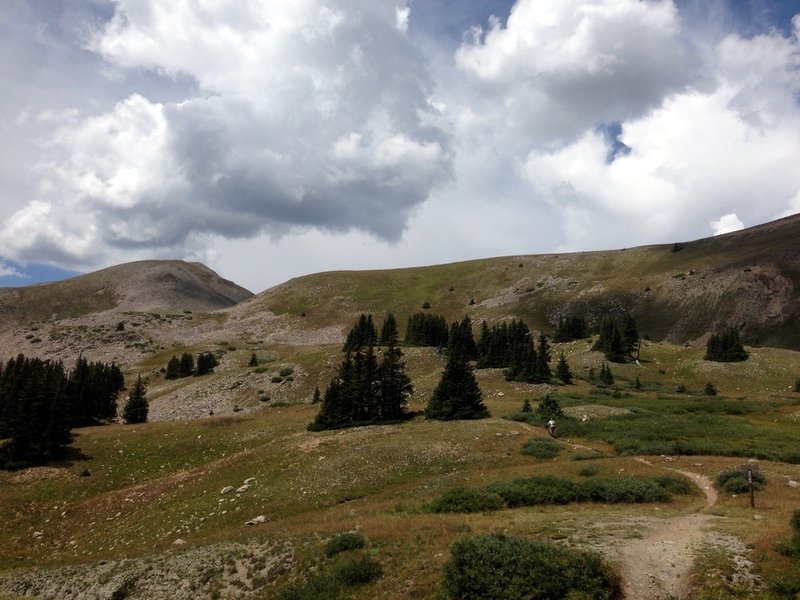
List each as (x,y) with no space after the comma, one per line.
(658,565)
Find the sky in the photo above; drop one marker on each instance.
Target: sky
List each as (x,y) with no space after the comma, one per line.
(270,140)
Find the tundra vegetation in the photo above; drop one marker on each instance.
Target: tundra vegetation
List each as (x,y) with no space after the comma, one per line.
(426,470)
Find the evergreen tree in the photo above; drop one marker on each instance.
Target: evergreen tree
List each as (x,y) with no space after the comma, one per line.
(173,368)
(725,347)
(797,385)
(495,348)
(514,343)
(548,408)
(317,397)
(92,390)
(206,361)
(136,408)
(34,412)
(364,391)
(562,370)
(389,332)
(617,341)
(457,396)
(187,365)
(526,406)
(253,360)
(571,328)
(426,330)
(630,336)
(460,341)
(79,393)
(637,385)
(395,385)
(362,334)
(542,373)
(606,376)
(710,390)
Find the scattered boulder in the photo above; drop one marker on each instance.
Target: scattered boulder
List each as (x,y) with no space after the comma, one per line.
(256,521)
(793,483)
(227,489)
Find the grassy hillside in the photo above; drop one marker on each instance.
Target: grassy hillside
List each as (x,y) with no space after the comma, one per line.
(141,508)
(750,279)
(162,509)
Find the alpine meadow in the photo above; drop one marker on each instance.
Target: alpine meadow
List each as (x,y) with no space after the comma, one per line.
(383,434)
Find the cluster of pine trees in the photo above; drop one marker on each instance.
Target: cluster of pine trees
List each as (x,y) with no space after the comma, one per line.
(510,345)
(185,366)
(426,330)
(364,390)
(725,347)
(618,340)
(40,402)
(572,327)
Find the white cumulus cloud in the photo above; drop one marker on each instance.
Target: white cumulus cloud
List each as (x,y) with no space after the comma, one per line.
(726,224)
(306,114)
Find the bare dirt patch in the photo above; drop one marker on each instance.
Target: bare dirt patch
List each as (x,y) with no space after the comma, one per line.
(659,563)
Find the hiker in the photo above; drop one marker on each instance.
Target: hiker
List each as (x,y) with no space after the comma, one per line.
(551,428)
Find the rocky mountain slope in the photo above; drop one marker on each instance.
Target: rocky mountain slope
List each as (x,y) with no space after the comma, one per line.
(145,286)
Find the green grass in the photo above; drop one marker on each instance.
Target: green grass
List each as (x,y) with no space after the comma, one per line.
(690,434)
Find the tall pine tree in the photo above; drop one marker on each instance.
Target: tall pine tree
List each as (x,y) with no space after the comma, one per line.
(457,396)
(137,407)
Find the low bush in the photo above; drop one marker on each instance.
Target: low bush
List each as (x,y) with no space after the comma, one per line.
(506,568)
(342,542)
(319,587)
(735,481)
(285,371)
(465,500)
(541,448)
(624,490)
(540,489)
(791,547)
(356,571)
(549,489)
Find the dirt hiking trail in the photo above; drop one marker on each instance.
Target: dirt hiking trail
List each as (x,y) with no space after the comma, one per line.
(659,564)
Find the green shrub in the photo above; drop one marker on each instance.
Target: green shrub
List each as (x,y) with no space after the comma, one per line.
(548,408)
(549,489)
(628,490)
(735,481)
(342,542)
(540,489)
(356,571)
(591,455)
(588,471)
(276,379)
(675,485)
(318,587)
(541,448)
(465,500)
(791,547)
(285,371)
(506,568)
